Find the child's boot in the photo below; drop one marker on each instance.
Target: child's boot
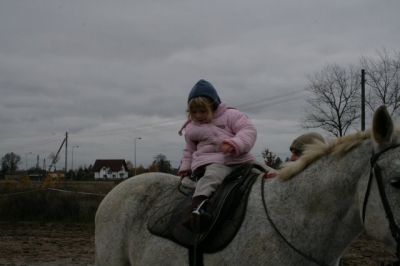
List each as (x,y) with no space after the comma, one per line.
(198,220)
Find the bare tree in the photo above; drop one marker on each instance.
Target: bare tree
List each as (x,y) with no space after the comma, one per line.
(382,77)
(335,104)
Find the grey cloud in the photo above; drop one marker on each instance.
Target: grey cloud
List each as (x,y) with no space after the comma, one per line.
(109,71)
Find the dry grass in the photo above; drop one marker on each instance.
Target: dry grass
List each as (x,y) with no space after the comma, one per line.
(25,200)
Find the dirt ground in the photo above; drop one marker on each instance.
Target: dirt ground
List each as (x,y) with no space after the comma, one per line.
(28,244)
(46,244)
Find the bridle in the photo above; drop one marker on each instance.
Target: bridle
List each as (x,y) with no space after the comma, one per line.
(280,234)
(395,230)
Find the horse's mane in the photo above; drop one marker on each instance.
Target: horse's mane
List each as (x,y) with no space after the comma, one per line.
(318,149)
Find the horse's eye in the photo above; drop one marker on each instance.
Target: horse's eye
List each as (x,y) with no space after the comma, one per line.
(395,182)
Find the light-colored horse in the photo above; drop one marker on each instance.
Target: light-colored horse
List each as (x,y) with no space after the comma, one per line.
(319,211)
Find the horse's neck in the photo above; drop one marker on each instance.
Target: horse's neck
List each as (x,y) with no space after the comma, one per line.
(324,205)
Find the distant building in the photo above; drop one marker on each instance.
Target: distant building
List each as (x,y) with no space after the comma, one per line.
(57,174)
(110,169)
(36,177)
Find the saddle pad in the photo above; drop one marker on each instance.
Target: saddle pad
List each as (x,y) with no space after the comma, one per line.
(158,222)
(229,210)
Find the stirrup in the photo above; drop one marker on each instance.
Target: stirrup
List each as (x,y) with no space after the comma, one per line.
(199,218)
(199,208)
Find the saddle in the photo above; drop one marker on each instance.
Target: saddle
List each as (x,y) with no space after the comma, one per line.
(227,207)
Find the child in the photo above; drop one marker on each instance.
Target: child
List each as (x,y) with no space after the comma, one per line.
(300,143)
(217,139)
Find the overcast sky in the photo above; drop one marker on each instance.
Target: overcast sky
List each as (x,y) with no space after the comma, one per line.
(108,72)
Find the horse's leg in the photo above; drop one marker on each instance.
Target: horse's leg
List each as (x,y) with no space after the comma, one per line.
(111,230)
(157,251)
(109,249)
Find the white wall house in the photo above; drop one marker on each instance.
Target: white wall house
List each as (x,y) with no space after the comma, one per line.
(110,169)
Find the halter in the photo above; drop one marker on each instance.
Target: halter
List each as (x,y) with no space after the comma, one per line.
(395,230)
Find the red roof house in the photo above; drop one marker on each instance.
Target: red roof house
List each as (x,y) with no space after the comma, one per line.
(110,169)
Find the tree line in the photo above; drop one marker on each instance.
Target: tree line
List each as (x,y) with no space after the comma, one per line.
(11,161)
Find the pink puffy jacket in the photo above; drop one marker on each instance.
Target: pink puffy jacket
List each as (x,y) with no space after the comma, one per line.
(203,141)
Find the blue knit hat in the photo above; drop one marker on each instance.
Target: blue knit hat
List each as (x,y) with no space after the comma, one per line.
(204,88)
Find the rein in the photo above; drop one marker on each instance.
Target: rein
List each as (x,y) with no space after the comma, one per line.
(395,230)
(280,234)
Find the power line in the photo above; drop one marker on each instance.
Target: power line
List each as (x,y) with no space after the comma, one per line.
(273,103)
(249,106)
(172,122)
(271,98)
(119,131)
(32,144)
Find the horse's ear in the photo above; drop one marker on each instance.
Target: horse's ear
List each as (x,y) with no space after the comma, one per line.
(382,126)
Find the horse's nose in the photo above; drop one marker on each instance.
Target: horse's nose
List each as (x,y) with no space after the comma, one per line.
(395,182)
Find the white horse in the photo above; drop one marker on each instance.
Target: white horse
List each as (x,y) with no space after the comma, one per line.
(314,215)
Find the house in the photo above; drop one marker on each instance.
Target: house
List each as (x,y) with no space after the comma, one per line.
(110,169)
(37,176)
(57,174)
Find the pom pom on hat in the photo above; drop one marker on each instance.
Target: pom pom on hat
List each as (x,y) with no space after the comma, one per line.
(300,142)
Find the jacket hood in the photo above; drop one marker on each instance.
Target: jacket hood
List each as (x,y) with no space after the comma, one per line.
(204,88)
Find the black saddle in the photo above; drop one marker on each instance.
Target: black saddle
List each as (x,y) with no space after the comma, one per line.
(227,207)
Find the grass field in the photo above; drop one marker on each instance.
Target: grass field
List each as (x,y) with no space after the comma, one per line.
(71,201)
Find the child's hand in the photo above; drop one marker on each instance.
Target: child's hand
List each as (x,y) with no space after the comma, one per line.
(226,148)
(183,174)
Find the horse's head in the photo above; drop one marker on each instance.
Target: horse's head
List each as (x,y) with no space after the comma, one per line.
(381,203)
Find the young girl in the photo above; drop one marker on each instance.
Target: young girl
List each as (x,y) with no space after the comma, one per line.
(217,139)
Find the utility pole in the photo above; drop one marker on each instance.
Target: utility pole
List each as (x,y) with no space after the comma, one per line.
(134,148)
(72,164)
(66,153)
(362,99)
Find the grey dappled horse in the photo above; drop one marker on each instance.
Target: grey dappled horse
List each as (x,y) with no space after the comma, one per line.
(314,209)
